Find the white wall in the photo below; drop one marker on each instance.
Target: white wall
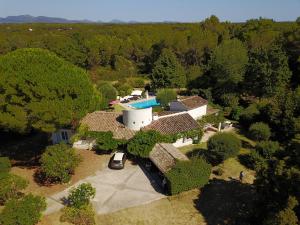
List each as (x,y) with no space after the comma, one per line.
(136,119)
(57,136)
(197,113)
(183,142)
(177,106)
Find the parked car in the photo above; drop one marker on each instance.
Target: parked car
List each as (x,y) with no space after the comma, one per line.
(117,161)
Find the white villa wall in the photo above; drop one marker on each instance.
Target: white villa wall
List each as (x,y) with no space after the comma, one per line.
(136,119)
(197,113)
(183,142)
(58,136)
(177,106)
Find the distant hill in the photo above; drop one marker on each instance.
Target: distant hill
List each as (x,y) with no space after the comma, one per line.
(45,19)
(39,19)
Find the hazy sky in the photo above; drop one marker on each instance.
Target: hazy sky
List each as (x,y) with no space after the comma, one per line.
(154,10)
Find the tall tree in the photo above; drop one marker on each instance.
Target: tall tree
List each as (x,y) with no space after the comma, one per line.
(167,71)
(40,91)
(268,72)
(228,65)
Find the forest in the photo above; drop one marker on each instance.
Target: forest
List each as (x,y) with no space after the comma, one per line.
(249,70)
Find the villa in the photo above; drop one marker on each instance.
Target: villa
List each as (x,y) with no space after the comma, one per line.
(181,118)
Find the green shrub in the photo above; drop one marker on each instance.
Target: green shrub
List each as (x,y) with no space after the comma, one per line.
(267,148)
(165,96)
(256,161)
(10,186)
(58,162)
(123,89)
(236,113)
(249,114)
(260,131)
(79,216)
(25,211)
(104,140)
(4,165)
(144,141)
(137,82)
(108,91)
(81,195)
(187,175)
(223,146)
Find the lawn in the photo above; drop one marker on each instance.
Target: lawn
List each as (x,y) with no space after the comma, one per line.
(118,108)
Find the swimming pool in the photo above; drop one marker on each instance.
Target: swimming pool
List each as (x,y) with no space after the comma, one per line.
(145,104)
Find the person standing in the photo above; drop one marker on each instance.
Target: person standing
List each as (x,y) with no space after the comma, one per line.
(242,176)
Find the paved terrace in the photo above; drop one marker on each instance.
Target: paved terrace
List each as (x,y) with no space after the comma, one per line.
(115,190)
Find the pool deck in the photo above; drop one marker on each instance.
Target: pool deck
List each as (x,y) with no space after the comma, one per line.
(128,105)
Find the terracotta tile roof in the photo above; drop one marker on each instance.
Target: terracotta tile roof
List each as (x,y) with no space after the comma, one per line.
(165,113)
(173,124)
(164,156)
(107,121)
(193,102)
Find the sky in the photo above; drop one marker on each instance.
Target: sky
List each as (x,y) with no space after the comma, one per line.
(154,10)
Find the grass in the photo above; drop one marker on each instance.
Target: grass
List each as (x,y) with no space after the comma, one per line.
(190,148)
(177,210)
(118,108)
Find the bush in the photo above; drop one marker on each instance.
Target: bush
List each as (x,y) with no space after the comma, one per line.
(256,161)
(104,140)
(267,148)
(4,165)
(259,131)
(123,89)
(10,186)
(223,146)
(58,162)
(108,92)
(187,175)
(26,211)
(249,114)
(144,141)
(82,216)
(165,96)
(80,196)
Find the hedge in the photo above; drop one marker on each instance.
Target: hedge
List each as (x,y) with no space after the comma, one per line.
(187,175)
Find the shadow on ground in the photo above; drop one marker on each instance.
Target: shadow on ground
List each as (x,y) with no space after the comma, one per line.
(23,150)
(226,202)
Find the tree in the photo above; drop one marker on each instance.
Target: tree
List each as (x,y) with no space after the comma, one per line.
(26,211)
(80,196)
(267,148)
(260,131)
(123,89)
(268,72)
(41,91)
(165,96)
(223,146)
(298,20)
(167,71)
(287,216)
(186,175)
(10,186)
(108,92)
(80,211)
(228,64)
(58,162)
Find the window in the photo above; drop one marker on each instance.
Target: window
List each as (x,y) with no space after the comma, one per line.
(64,135)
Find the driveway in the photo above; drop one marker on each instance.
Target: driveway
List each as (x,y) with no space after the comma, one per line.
(115,190)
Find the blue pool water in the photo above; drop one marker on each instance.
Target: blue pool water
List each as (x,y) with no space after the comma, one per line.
(145,104)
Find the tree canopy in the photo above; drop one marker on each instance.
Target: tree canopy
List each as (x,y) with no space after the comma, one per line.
(40,91)
(167,71)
